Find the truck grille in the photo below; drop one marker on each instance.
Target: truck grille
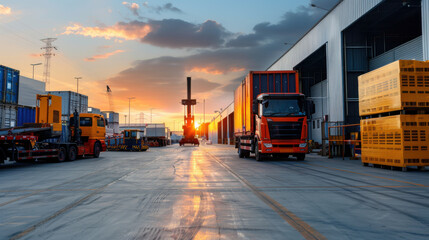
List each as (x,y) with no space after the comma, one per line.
(285,130)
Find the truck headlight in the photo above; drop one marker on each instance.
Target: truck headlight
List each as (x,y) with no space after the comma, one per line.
(268,145)
(303,145)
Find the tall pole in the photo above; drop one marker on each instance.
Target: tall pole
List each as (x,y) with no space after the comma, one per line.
(48,54)
(129,110)
(204,111)
(77,83)
(35,64)
(151,114)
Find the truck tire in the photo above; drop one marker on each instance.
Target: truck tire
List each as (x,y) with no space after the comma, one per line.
(240,151)
(258,155)
(72,154)
(300,156)
(2,156)
(97,150)
(62,154)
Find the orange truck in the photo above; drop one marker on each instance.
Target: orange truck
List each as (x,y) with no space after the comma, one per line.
(48,138)
(270,115)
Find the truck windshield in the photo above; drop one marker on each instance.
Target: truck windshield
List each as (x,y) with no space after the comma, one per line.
(283,107)
(133,134)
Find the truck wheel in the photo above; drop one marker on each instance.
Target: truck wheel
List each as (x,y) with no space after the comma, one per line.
(240,151)
(97,150)
(2,156)
(300,156)
(72,153)
(258,155)
(62,154)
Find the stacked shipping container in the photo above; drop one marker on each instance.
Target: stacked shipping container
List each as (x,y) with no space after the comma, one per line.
(394,107)
(113,120)
(9,90)
(70,102)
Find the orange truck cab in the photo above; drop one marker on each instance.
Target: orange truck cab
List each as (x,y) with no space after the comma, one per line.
(270,116)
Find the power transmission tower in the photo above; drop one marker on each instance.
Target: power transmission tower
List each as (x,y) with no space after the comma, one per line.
(48,54)
(141,118)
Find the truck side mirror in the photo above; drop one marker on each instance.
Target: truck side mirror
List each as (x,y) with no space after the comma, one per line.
(107,122)
(255,107)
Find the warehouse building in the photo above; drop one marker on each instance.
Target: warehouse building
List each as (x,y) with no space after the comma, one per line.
(353,38)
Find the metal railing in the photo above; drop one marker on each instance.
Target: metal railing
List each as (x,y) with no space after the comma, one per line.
(337,138)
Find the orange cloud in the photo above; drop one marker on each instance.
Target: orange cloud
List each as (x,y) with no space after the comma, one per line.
(102,56)
(211,70)
(119,30)
(5,10)
(208,70)
(34,55)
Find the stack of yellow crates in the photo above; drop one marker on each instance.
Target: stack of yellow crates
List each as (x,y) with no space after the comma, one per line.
(394,107)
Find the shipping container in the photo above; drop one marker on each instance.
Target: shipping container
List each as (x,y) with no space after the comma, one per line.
(112,117)
(401,85)
(155,130)
(94,110)
(9,85)
(25,115)
(28,90)
(400,140)
(254,84)
(8,115)
(70,102)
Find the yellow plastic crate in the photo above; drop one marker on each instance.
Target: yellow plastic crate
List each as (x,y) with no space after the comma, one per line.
(400,141)
(397,86)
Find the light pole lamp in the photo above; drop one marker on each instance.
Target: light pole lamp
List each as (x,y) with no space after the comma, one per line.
(129,110)
(77,83)
(35,64)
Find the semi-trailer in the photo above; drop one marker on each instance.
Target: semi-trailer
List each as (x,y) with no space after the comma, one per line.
(49,138)
(270,115)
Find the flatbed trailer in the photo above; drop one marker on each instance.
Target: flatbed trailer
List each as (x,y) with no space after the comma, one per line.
(48,138)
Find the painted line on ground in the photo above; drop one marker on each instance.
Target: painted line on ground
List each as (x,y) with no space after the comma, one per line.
(301,226)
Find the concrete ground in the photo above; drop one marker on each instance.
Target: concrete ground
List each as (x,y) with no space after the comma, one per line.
(207,192)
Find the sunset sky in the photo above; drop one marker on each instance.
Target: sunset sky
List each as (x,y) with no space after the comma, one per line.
(146,49)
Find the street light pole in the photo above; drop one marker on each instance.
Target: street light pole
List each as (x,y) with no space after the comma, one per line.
(77,83)
(129,110)
(35,64)
(315,6)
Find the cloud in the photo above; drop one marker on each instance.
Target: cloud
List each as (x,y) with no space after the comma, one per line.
(102,56)
(292,26)
(5,10)
(217,71)
(163,8)
(35,55)
(133,7)
(158,83)
(128,31)
(170,33)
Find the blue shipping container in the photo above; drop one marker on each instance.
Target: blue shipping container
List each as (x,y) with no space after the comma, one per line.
(9,86)
(25,115)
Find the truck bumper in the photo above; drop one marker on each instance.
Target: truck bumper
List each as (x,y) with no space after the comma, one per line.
(286,148)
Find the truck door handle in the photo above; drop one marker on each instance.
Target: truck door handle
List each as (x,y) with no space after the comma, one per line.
(97,131)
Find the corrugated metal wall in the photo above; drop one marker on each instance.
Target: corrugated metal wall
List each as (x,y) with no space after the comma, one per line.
(328,31)
(425,29)
(214,125)
(409,50)
(28,89)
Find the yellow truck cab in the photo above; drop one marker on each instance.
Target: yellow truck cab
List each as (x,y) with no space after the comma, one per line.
(93,126)
(93,132)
